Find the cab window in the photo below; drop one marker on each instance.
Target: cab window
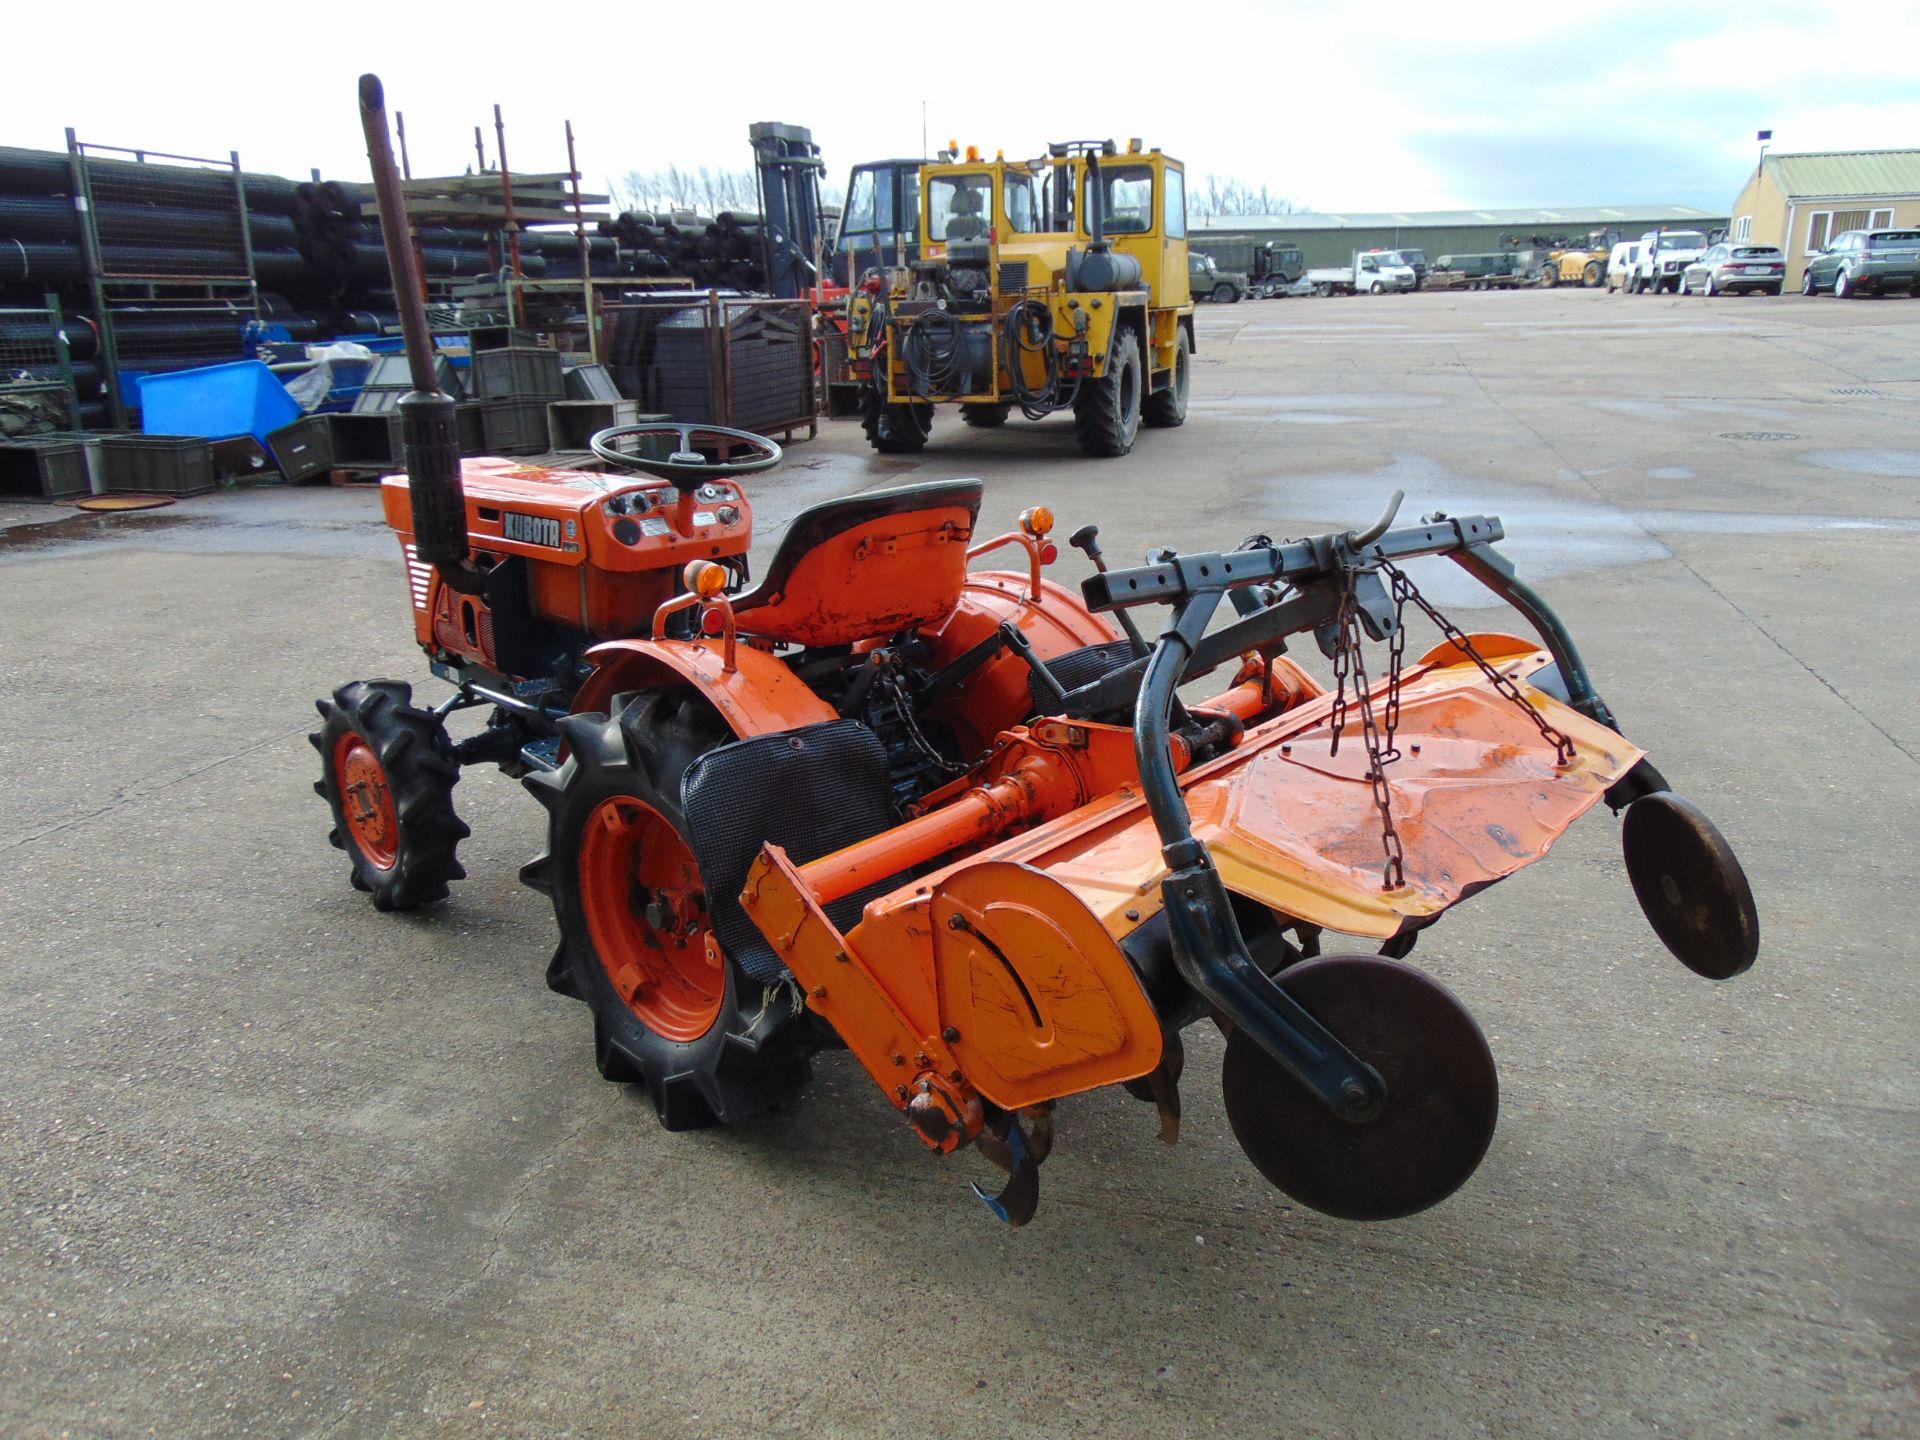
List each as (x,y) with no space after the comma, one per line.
(959,207)
(1023,213)
(1176,212)
(859,216)
(1126,195)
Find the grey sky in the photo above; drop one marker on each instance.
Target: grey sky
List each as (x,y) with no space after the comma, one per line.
(1343,107)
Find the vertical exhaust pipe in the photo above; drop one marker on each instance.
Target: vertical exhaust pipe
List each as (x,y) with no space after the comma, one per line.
(426,415)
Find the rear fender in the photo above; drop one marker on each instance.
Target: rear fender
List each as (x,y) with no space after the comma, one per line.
(759,696)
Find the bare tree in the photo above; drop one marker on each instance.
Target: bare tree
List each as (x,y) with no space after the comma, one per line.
(1214,196)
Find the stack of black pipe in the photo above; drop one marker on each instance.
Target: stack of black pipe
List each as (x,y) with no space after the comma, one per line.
(724,252)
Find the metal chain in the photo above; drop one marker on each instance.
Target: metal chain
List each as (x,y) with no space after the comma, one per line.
(904,704)
(1348,657)
(1405,590)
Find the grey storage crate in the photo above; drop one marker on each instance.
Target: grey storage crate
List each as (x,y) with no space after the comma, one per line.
(591,382)
(366,442)
(304,449)
(514,426)
(45,467)
(572,424)
(520,372)
(177,465)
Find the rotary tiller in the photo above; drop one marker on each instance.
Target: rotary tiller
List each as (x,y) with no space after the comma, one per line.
(962,821)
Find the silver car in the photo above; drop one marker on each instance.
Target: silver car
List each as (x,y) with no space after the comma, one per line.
(1728,269)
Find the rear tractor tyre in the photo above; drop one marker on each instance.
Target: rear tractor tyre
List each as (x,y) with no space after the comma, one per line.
(984,417)
(387,772)
(1164,409)
(670,1011)
(1593,275)
(1106,417)
(894,429)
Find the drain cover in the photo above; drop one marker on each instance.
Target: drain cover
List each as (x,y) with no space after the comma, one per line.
(1854,390)
(1758,435)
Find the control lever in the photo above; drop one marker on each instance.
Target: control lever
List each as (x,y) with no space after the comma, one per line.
(1087,540)
(1360,539)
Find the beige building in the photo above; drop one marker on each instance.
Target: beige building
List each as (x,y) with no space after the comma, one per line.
(1800,202)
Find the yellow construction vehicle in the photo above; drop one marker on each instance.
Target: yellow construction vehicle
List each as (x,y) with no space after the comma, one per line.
(1043,285)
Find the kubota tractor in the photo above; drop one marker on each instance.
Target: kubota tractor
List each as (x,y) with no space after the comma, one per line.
(964,823)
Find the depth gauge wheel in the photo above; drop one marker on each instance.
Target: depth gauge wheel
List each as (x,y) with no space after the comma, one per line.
(1106,417)
(670,1010)
(387,772)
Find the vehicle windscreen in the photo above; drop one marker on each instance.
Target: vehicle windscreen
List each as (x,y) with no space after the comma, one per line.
(1126,195)
(1893,240)
(1683,240)
(1756,252)
(959,207)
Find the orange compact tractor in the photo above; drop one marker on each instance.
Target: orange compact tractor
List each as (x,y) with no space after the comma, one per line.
(967,823)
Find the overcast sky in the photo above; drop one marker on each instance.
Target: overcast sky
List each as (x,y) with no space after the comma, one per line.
(1364,107)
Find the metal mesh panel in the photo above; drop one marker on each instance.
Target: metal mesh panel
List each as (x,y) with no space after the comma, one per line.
(123,196)
(831,780)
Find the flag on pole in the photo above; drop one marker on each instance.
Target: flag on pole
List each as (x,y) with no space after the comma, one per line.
(1764,135)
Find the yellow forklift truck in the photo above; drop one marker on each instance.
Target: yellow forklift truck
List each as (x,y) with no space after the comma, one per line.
(1044,285)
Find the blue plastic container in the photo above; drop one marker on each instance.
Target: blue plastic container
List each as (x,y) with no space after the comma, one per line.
(221,402)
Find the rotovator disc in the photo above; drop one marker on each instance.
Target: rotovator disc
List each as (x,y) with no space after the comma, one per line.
(1690,885)
(1443,1096)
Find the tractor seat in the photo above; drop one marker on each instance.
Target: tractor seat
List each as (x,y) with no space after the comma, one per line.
(866,566)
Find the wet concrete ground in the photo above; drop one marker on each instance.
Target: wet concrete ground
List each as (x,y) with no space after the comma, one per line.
(274,1164)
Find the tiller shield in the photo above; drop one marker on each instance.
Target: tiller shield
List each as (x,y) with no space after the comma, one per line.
(1108,870)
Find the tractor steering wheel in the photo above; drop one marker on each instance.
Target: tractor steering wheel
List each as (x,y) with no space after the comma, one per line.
(700,452)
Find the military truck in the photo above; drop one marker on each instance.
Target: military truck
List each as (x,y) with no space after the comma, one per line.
(1208,281)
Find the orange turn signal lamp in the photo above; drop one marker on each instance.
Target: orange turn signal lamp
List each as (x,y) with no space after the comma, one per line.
(1037,521)
(704,578)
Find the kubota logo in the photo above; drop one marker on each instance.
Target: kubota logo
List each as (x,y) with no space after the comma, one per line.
(531,529)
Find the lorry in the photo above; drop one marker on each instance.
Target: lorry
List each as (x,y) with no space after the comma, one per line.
(1374,272)
(1271,266)
(1491,270)
(1664,257)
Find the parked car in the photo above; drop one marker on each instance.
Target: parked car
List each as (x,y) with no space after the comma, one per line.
(1208,281)
(1866,262)
(1621,263)
(1663,255)
(1729,269)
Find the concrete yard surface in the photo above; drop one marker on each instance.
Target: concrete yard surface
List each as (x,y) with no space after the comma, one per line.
(274,1164)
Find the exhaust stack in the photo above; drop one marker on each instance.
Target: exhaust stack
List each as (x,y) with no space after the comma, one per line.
(426,415)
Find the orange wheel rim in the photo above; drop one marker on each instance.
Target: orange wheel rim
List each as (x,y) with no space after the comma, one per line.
(647,916)
(367,801)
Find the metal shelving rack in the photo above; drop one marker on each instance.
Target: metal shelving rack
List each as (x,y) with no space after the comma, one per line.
(125,272)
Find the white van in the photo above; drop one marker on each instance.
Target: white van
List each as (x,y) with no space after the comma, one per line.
(1620,264)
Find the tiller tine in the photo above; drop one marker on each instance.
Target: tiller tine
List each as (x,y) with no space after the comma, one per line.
(1012,1149)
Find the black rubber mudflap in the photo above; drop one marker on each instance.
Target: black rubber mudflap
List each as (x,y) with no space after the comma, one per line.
(1082,667)
(810,791)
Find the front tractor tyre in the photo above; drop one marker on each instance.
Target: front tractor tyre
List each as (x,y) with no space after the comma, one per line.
(1106,416)
(1164,409)
(387,771)
(1592,275)
(670,1010)
(894,429)
(984,417)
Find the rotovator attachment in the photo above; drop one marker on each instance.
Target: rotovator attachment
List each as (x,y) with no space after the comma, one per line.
(966,824)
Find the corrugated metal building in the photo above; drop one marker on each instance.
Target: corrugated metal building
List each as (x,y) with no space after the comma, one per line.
(1800,202)
(1331,239)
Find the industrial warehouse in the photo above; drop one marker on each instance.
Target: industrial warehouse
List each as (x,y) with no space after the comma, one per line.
(677,773)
